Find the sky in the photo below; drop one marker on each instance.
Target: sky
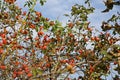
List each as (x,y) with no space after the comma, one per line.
(55,9)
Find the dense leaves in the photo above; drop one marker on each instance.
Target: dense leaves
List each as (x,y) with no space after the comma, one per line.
(34,47)
(109,4)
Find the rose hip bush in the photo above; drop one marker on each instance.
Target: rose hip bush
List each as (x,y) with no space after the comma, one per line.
(32,47)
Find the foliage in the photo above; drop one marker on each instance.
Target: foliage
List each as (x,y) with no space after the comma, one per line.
(34,47)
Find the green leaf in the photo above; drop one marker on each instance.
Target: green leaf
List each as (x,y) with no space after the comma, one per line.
(104,52)
(109,56)
(0,4)
(86,1)
(57,23)
(36,28)
(66,15)
(95,75)
(112,18)
(39,71)
(89,11)
(34,72)
(42,2)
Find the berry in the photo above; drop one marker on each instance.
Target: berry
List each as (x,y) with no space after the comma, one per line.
(3,67)
(29,75)
(69,67)
(70,25)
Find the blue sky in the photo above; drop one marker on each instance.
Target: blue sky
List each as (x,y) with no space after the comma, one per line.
(55,9)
